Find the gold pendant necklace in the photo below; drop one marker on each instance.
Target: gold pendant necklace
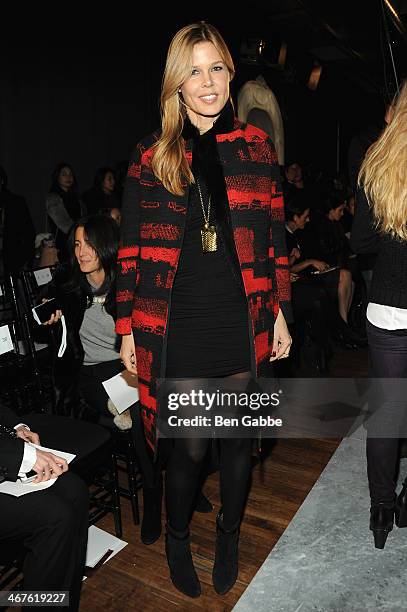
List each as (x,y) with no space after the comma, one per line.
(208,231)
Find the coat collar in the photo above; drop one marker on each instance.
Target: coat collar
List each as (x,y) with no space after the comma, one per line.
(223,125)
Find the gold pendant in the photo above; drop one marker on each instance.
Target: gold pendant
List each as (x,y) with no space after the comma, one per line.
(208,234)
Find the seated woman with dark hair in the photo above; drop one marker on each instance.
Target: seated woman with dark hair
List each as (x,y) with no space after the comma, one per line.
(309,297)
(63,206)
(330,259)
(335,248)
(103,195)
(85,290)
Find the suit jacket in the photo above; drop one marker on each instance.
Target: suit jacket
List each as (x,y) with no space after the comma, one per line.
(153,223)
(11,448)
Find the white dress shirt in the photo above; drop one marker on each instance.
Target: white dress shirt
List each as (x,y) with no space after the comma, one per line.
(29,456)
(386,317)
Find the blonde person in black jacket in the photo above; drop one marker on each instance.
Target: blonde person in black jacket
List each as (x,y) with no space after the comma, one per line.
(380,227)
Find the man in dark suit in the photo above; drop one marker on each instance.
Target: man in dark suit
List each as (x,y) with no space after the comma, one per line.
(50,525)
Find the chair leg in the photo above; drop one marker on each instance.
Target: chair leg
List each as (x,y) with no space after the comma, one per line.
(131,475)
(117,513)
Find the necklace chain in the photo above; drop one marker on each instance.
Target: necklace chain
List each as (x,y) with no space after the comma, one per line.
(206,217)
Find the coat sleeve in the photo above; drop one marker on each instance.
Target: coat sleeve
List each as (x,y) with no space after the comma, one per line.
(364,237)
(8,417)
(11,457)
(129,247)
(277,247)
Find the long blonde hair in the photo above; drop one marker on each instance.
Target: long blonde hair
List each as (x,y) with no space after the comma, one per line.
(169,163)
(383,173)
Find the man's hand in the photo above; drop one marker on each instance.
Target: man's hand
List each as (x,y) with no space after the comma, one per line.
(27,435)
(282,339)
(128,354)
(48,466)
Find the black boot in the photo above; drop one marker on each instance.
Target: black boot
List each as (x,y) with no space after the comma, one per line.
(179,558)
(225,568)
(381,523)
(151,523)
(401,507)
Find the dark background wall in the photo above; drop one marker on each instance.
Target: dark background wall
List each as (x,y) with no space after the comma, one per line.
(86,95)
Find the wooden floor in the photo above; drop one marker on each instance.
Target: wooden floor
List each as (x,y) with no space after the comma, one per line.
(138,578)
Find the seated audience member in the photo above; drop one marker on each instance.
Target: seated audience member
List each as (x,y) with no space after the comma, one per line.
(63,206)
(331,281)
(50,526)
(309,296)
(335,249)
(365,261)
(296,185)
(103,194)
(17,234)
(85,291)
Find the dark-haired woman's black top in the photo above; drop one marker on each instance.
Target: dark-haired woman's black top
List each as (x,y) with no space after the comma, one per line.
(96,200)
(208,333)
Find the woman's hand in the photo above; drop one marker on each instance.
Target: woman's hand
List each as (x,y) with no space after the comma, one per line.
(54,317)
(282,339)
(128,354)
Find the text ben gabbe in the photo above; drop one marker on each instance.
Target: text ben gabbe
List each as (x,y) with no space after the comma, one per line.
(217,401)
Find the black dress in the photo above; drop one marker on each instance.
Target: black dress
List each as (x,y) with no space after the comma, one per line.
(208,334)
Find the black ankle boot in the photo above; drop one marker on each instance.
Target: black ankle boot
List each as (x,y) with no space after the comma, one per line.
(225,568)
(179,558)
(151,523)
(401,507)
(381,523)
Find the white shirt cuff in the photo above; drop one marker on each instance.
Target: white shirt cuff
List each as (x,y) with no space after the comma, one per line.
(22,425)
(29,459)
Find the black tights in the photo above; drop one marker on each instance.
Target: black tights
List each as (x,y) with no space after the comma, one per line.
(184,472)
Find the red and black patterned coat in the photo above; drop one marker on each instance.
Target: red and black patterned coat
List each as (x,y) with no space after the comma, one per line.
(153,222)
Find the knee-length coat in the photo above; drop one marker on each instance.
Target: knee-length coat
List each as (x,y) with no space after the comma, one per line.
(152,227)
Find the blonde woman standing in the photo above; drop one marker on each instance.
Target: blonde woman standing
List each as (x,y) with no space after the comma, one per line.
(380,226)
(203,286)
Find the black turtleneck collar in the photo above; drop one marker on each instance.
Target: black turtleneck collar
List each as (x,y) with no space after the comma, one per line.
(223,124)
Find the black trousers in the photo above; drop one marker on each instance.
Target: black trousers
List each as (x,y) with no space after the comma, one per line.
(388,359)
(52,525)
(94,394)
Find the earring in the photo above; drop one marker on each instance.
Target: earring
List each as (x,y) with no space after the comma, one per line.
(179,90)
